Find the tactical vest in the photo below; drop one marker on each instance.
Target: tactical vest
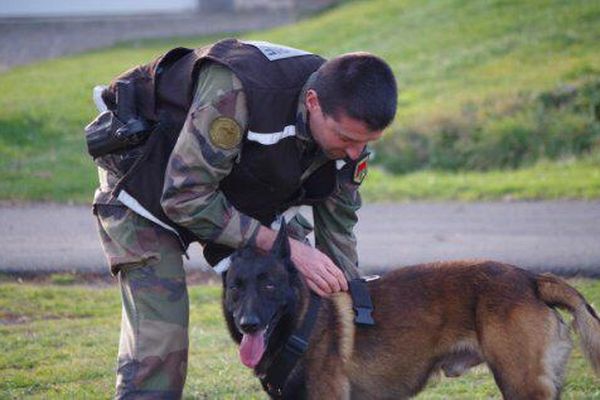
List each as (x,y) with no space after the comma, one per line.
(266,181)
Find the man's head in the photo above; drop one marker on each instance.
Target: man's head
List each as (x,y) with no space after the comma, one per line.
(352,99)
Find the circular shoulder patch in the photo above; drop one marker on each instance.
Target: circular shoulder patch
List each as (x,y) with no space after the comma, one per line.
(225,133)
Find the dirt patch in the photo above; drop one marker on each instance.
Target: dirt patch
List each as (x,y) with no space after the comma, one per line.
(9,318)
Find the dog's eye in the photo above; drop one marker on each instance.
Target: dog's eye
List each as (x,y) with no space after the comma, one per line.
(236,284)
(269,286)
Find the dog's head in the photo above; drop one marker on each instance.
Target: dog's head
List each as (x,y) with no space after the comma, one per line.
(260,292)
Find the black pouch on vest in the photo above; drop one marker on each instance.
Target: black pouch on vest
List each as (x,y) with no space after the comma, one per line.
(114,139)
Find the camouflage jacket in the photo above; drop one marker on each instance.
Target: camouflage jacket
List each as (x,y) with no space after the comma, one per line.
(191,197)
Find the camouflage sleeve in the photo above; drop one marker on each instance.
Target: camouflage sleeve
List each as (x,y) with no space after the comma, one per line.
(204,154)
(334,221)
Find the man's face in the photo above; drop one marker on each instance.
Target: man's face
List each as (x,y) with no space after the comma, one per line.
(341,138)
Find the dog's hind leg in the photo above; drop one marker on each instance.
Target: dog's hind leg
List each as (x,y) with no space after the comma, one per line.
(526,349)
(557,353)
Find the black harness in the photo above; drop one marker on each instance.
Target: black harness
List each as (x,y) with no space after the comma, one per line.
(277,375)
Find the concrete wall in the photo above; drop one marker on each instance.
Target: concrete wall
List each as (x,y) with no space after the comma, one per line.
(26,39)
(62,8)
(246,5)
(65,8)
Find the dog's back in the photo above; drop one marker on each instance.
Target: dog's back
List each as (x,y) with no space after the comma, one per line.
(452,316)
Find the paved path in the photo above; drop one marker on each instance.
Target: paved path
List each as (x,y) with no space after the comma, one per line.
(24,40)
(558,236)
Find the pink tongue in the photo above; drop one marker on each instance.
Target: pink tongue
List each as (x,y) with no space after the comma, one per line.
(252,348)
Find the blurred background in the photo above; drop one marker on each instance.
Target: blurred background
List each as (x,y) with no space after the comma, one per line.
(498,99)
(494,153)
(38,29)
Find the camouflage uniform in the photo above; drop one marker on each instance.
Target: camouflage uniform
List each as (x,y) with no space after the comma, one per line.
(147,259)
(191,197)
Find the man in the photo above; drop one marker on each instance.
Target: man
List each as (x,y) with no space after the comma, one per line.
(268,128)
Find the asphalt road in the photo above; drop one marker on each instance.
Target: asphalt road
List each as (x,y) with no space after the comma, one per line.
(27,39)
(554,236)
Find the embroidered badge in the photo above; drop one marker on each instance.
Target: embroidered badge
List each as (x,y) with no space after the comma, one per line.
(360,171)
(225,133)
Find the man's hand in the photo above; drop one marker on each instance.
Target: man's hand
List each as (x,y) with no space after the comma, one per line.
(321,274)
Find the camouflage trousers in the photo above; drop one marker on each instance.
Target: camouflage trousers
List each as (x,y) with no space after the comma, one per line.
(153,348)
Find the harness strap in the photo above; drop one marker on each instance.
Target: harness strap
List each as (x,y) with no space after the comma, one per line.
(295,347)
(361,300)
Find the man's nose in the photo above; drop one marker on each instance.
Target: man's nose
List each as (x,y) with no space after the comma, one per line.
(355,151)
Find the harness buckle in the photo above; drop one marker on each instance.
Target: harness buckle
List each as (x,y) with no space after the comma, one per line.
(363,316)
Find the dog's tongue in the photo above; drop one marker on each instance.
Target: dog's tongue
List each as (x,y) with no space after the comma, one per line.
(252,348)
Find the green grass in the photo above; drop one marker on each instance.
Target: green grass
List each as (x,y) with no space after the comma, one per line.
(569,179)
(471,76)
(60,342)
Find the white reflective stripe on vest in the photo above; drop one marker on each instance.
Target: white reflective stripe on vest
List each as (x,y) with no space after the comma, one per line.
(98,100)
(271,138)
(137,208)
(274,51)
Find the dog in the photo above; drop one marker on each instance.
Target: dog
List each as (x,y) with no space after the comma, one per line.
(441,317)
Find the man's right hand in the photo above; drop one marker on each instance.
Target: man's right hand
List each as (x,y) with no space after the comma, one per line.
(321,274)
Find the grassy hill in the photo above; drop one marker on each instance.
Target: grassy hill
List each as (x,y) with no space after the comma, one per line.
(484,85)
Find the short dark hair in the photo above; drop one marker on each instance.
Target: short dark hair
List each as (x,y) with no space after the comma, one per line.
(359,84)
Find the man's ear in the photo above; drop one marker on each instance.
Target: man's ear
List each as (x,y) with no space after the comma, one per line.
(281,246)
(312,101)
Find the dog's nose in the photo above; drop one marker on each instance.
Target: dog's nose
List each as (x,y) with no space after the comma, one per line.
(249,323)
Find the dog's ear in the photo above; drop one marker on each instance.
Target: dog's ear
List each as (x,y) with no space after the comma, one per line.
(224,278)
(281,246)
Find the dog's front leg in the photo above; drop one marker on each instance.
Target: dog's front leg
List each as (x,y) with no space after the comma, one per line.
(328,383)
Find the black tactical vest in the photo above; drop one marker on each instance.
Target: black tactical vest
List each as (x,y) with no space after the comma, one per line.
(266,181)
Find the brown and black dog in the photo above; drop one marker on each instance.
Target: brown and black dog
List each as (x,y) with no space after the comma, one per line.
(435,317)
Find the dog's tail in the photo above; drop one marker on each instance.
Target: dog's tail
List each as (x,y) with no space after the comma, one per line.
(556,292)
